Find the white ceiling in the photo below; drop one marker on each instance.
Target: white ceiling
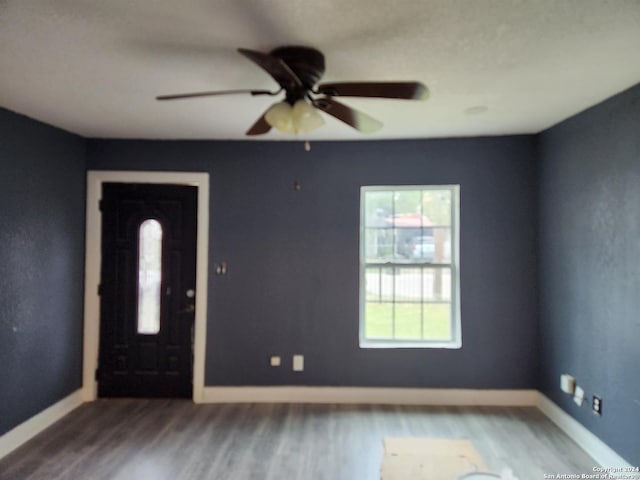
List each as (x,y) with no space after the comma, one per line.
(94,67)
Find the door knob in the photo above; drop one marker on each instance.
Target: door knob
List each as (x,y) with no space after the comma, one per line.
(189,309)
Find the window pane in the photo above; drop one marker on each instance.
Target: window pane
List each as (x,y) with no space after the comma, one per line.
(379,284)
(436,284)
(379,320)
(407,202)
(149,276)
(378,207)
(437,321)
(378,244)
(408,321)
(407,283)
(422,247)
(436,206)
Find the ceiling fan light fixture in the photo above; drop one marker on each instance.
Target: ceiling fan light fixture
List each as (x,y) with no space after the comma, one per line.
(299,118)
(305,117)
(280,117)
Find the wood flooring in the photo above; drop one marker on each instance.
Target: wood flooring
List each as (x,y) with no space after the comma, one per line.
(127,439)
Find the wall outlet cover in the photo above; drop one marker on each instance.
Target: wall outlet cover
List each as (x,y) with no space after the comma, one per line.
(578,397)
(298,363)
(596,405)
(275,360)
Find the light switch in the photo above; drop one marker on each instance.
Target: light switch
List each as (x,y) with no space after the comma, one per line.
(567,384)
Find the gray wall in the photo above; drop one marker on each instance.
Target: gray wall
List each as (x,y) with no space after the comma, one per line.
(42,197)
(292,285)
(590,266)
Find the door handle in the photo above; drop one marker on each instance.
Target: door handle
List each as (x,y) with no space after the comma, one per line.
(189,309)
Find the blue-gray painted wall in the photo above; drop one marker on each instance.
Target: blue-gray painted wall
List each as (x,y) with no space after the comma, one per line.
(282,244)
(590,266)
(42,218)
(292,285)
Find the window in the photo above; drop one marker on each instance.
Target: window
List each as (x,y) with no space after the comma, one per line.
(149,276)
(409,282)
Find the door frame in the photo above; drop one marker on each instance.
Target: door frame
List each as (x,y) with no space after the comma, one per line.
(93,249)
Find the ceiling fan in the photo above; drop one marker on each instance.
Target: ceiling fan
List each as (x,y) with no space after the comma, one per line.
(297,70)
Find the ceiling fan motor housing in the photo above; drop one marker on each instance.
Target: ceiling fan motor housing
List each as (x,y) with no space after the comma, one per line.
(308,65)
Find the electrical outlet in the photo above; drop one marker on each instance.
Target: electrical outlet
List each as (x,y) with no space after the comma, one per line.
(275,360)
(596,405)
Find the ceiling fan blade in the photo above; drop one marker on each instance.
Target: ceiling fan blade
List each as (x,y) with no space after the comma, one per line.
(214,93)
(275,67)
(358,120)
(260,127)
(398,90)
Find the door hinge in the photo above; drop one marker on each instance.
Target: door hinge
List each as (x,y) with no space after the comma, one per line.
(100,205)
(97,374)
(100,289)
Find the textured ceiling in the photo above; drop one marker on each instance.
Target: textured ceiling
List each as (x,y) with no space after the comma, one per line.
(493,67)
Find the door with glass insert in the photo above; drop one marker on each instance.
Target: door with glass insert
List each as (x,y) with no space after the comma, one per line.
(147,291)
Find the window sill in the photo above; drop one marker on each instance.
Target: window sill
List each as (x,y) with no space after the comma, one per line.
(450,345)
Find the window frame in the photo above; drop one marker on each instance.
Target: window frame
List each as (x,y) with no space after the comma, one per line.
(455,341)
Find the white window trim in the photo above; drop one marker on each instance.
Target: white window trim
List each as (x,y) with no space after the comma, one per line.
(456,327)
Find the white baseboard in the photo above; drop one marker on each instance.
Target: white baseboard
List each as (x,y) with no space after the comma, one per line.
(371,395)
(591,444)
(30,428)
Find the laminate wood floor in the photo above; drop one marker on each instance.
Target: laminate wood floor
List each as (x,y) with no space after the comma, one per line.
(175,439)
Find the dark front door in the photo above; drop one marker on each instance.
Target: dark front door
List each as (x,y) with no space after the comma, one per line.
(147,291)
